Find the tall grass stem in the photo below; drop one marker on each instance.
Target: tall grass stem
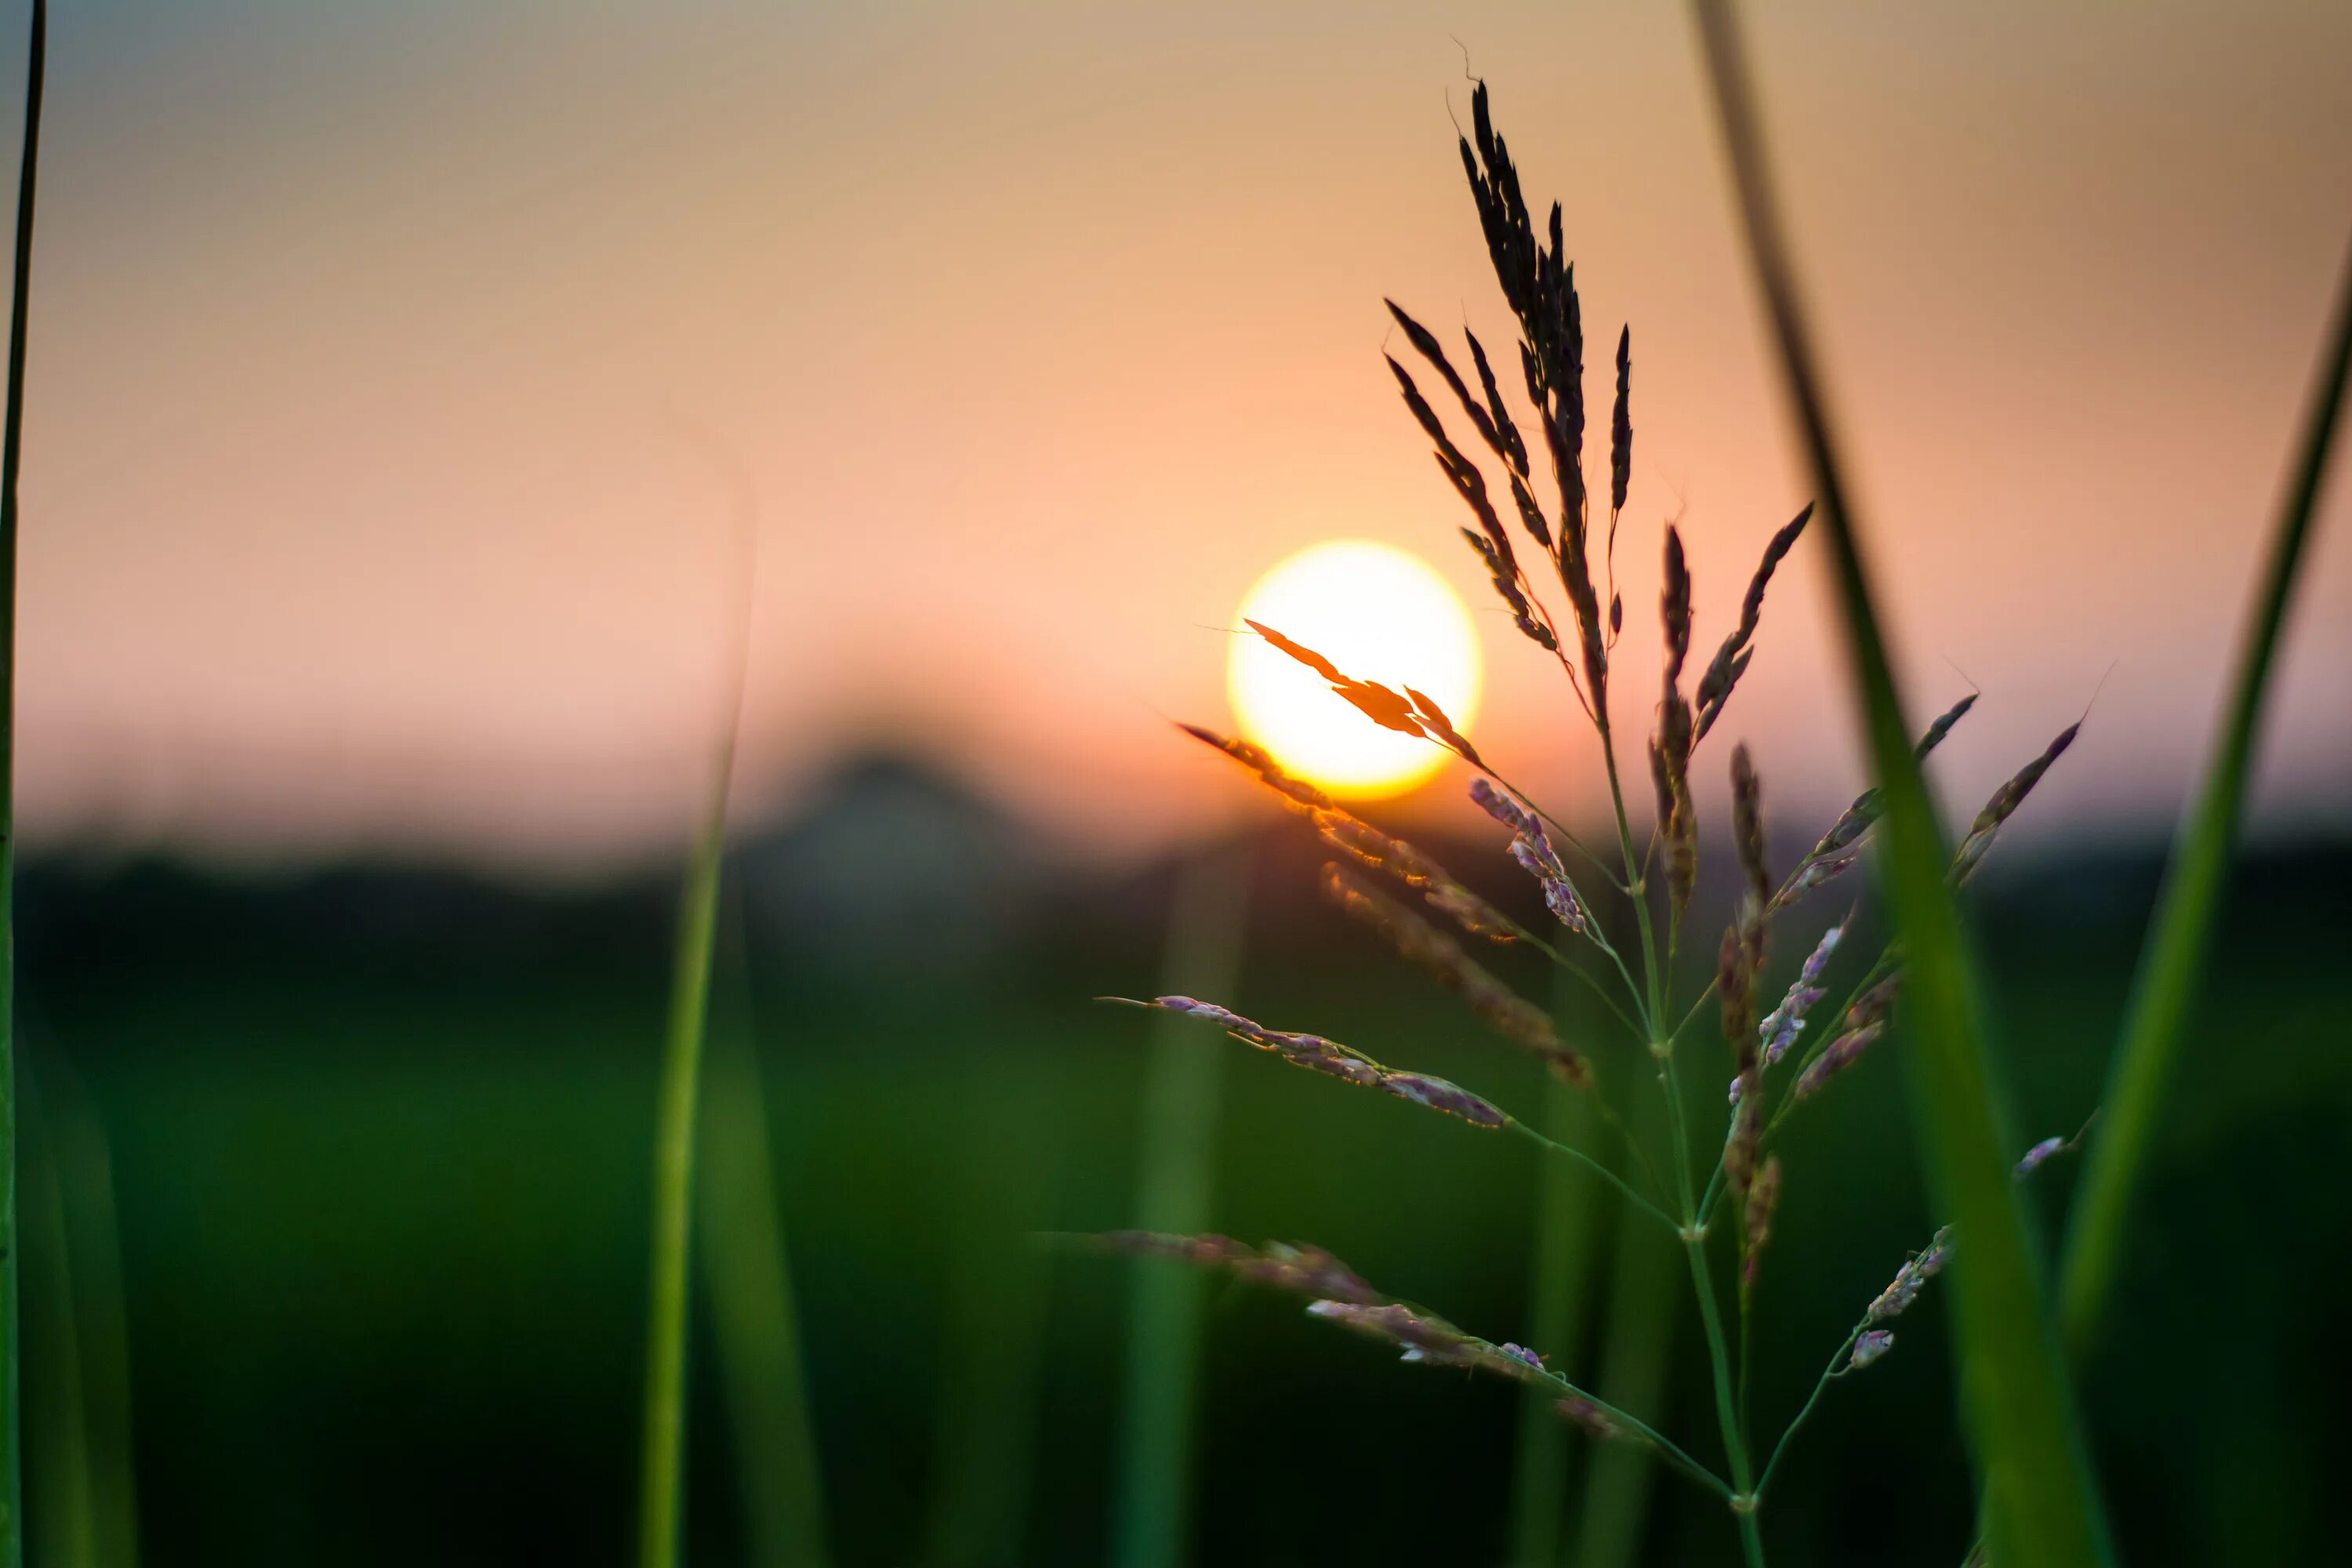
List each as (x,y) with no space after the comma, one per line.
(1206,926)
(661,1519)
(2172,964)
(745,1266)
(1567,1227)
(12,453)
(1636,1354)
(2016,1400)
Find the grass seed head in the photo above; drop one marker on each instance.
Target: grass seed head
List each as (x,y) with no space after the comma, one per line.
(1836,1057)
(1763,1201)
(1911,1278)
(1868,1346)
(2034,1159)
(1731,659)
(1504,1011)
(1621,424)
(1296,793)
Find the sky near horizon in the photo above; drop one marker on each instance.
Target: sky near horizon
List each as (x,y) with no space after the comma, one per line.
(398,370)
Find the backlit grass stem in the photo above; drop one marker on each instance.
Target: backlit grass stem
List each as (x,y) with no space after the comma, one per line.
(661,1511)
(1176,1166)
(2019,1410)
(661,1503)
(2172,964)
(12,452)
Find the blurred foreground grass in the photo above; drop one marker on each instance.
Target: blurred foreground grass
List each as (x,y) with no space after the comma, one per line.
(379,1140)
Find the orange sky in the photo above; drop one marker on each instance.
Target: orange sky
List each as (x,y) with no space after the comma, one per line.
(380,351)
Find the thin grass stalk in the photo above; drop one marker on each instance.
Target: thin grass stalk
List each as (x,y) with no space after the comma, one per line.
(1567,1226)
(2019,1410)
(12,452)
(102,1332)
(661,1503)
(2180,938)
(1637,1352)
(747,1268)
(64,1488)
(1176,1168)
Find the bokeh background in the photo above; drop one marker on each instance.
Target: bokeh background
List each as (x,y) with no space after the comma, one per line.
(416,388)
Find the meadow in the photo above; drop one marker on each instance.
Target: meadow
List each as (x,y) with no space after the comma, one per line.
(331,1237)
(379,1143)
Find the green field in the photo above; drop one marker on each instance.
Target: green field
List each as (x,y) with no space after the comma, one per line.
(379,1140)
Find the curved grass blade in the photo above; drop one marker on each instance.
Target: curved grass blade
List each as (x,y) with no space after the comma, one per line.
(2173,961)
(2018,1409)
(11,451)
(661,1518)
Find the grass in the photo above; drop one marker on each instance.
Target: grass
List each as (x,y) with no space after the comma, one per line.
(1176,1167)
(2040,1504)
(2179,943)
(12,453)
(754,1318)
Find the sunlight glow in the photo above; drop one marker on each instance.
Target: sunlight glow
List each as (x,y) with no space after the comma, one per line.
(1378,614)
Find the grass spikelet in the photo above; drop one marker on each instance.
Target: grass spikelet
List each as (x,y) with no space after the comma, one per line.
(1296,793)
(1911,1278)
(1731,659)
(1747,834)
(1620,428)
(1828,857)
(1439,728)
(1300,1268)
(1756,1228)
(1672,747)
(1504,1011)
(2005,802)
(1389,709)
(1394,857)
(1782,1027)
(1481,414)
(1864,1024)
(1338,1295)
(1514,450)
(1332,1059)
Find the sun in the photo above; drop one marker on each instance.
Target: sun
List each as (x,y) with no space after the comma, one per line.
(1378,614)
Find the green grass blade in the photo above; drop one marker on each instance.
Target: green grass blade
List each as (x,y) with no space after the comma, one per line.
(2173,962)
(754,1322)
(1176,1168)
(1645,1300)
(12,452)
(2014,1395)
(1568,1221)
(661,1515)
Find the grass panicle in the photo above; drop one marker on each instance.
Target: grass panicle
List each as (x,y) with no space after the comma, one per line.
(2017,1403)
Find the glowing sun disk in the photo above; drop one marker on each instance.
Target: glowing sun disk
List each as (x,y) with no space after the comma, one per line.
(1378,614)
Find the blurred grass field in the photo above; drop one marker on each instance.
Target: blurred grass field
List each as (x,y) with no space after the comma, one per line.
(379,1139)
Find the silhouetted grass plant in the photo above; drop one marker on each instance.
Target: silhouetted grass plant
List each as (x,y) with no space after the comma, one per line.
(1712,1190)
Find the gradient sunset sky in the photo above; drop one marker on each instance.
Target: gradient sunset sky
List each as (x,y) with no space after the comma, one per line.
(394,366)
